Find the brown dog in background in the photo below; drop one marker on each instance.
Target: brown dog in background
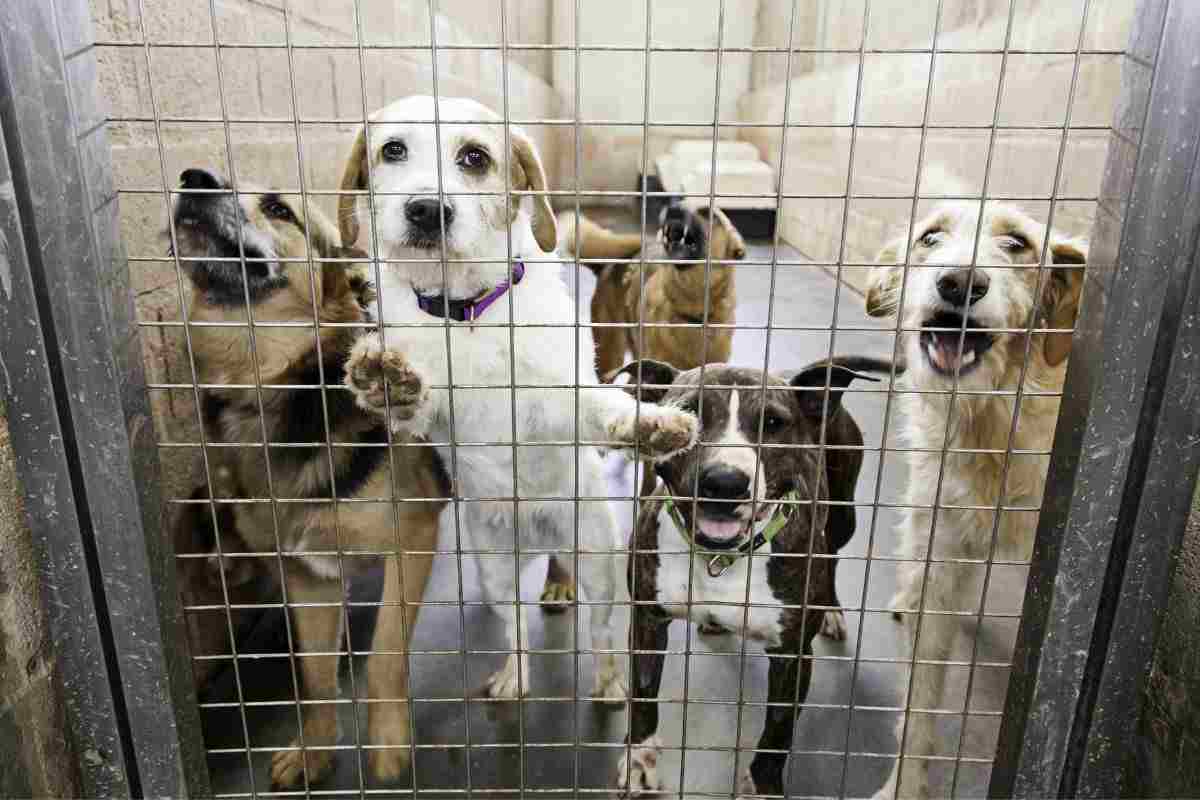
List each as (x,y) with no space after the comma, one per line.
(272,236)
(674,293)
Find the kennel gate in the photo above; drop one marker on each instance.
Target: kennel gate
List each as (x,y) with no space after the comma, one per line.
(89,457)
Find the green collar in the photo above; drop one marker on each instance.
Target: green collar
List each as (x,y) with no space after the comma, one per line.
(722,560)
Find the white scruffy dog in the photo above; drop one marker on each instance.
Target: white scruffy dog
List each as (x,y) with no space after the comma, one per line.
(478,355)
(965,327)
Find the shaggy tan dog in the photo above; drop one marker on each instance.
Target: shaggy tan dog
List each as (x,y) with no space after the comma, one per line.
(964,330)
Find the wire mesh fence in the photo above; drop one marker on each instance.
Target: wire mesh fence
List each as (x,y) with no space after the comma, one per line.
(351,581)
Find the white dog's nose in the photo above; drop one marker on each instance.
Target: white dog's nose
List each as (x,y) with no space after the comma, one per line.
(424,214)
(952,286)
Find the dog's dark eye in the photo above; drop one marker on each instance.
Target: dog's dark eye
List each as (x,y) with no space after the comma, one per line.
(473,158)
(395,151)
(931,238)
(773,423)
(276,209)
(1013,242)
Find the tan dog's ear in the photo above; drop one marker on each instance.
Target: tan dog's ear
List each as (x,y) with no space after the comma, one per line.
(883,281)
(337,279)
(734,244)
(354,178)
(1064,289)
(527,173)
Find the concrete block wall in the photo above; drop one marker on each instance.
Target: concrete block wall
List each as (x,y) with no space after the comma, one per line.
(612,85)
(329,90)
(964,92)
(37,760)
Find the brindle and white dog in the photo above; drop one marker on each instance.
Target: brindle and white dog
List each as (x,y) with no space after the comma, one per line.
(453,335)
(965,327)
(744,537)
(268,229)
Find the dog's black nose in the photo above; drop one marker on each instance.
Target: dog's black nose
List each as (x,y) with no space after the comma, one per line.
(425,216)
(198,179)
(952,286)
(718,482)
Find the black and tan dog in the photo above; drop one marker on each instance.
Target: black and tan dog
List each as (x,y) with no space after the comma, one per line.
(320,446)
(673,293)
(734,547)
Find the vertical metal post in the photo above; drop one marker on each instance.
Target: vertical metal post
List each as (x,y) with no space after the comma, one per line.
(80,417)
(1125,464)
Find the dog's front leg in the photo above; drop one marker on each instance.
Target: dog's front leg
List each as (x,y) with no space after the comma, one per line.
(387,668)
(612,416)
(788,679)
(385,381)
(638,771)
(315,630)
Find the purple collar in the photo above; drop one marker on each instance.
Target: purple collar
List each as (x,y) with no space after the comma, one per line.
(467,310)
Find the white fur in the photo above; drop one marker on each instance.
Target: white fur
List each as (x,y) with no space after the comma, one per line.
(475,355)
(721,600)
(977,421)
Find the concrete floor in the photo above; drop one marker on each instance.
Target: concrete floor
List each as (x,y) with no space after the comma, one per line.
(826,731)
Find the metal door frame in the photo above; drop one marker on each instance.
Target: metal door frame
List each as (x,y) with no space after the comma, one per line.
(1117,497)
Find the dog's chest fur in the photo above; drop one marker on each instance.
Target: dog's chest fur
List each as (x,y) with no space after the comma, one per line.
(748,598)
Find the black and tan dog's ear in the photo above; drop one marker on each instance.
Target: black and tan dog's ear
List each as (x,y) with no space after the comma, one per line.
(354,179)
(527,173)
(812,381)
(728,244)
(339,277)
(656,378)
(883,281)
(1064,289)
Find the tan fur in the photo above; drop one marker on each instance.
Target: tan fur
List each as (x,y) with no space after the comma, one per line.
(227,355)
(1017,296)
(670,295)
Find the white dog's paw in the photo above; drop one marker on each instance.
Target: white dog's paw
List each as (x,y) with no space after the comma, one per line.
(637,774)
(657,433)
(834,625)
(506,683)
(384,380)
(610,685)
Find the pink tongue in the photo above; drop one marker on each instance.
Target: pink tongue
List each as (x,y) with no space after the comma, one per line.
(720,529)
(945,351)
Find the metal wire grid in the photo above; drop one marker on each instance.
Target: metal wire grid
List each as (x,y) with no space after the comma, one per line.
(576,195)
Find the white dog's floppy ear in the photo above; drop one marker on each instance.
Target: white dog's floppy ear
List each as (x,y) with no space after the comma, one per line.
(1064,289)
(354,178)
(883,281)
(527,173)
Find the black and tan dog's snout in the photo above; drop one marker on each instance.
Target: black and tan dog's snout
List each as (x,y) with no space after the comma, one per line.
(196,178)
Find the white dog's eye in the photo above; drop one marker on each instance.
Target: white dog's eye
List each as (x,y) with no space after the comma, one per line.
(394,151)
(1013,242)
(931,238)
(473,158)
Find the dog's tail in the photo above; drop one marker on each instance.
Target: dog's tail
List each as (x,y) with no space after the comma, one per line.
(586,239)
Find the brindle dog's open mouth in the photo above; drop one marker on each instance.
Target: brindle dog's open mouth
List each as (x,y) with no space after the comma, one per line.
(722,526)
(940,348)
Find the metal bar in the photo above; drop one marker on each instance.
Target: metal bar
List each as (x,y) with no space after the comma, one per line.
(94,359)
